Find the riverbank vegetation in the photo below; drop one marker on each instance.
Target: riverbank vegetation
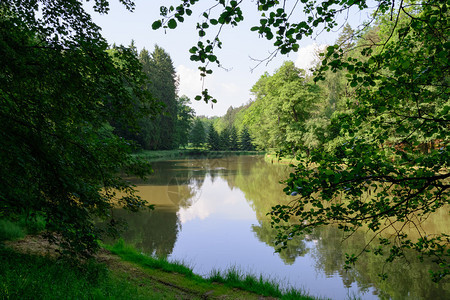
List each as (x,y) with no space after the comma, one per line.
(31,269)
(186,153)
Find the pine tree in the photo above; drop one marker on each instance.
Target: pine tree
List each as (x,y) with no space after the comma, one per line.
(224,143)
(198,134)
(234,139)
(245,142)
(185,117)
(213,139)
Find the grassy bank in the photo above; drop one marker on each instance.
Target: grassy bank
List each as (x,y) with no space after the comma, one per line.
(232,278)
(27,276)
(274,159)
(30,269)
(183,153)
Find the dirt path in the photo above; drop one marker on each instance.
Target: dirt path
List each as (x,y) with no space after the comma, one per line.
(165,285)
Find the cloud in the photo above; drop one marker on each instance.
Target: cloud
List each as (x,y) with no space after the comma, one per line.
(229,89)
(190,81)
(219,202)
(307,56)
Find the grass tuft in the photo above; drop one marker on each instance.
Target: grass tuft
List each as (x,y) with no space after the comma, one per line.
(233,277)
(129,253)
(20,226)
(10,231)
(236,278)
(25,276)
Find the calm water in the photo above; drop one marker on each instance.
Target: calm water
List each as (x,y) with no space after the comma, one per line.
(211,214)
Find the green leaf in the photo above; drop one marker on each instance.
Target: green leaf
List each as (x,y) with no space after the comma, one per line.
(157,24)
(172,24)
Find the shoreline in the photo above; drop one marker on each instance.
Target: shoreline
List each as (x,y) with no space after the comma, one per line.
(143,276)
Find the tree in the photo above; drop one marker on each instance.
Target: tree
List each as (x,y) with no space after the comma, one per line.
(198,134)
(185,117)
(284,102)
(164,86)
(213,139)
(58,90)
(234,139)
(245,140)
(392,162)
(224,140)
(392,166)
(159,132)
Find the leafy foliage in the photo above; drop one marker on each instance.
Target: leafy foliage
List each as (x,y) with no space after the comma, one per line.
(58,90)
(284,101)
(391,171)
(168,127)
(185,118)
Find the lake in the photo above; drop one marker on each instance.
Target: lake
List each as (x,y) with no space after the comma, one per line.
(211,214)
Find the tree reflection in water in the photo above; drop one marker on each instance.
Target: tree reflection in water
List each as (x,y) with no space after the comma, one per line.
(178,185)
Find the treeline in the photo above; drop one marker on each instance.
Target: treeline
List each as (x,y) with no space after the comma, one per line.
(169,126)
(205,135)
(173,123)
(290,111)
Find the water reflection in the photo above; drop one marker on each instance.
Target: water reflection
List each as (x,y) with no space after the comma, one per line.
(154,232)
(212,214)
(407,279)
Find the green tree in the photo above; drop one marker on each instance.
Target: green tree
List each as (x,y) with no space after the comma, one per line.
(213,138)
(185,117)
(234,139)
(58,89)
(198,134)
(224,139)
(245,140)
(394,142)
(159,132)
(283,104)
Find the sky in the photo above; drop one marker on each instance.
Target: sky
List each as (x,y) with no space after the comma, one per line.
(231,84)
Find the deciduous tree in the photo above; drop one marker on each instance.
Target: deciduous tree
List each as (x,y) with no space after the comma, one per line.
(58,89)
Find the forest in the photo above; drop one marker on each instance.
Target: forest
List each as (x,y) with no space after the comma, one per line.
(372,117)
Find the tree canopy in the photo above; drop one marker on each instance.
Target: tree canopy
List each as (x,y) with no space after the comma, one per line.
(59,90)
(387,166)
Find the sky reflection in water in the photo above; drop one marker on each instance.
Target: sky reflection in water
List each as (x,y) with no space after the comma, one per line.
(211,214)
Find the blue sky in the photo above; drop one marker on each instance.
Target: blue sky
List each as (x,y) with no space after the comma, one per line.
(230,87)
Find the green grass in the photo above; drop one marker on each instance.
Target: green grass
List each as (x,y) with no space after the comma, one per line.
(11,230)
(232,278)
(181,153)
(24,276)
(130,254)
(21,226)
(273,158)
